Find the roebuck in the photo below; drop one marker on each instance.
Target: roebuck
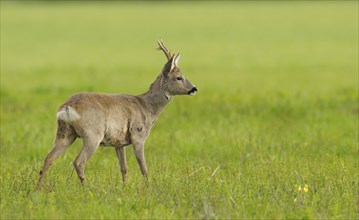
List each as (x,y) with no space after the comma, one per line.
(115,119)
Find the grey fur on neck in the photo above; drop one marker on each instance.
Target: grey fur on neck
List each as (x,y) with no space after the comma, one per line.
(156,98)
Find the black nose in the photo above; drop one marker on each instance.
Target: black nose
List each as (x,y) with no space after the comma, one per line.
(193,90)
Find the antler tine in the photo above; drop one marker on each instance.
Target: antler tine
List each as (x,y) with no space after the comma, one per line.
(164,49)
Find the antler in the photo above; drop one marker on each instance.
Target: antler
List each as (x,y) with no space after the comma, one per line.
(164,49)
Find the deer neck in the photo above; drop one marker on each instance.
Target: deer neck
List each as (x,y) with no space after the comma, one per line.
(155,98)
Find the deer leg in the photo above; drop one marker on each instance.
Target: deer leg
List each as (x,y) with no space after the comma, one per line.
(89,147)
(62,142)
(138,148)
(120,151)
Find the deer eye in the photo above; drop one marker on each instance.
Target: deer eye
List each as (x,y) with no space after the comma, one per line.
(179,78)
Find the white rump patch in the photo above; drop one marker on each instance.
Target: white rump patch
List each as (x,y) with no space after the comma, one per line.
(68,114)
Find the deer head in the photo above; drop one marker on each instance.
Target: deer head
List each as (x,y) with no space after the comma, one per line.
(173,81)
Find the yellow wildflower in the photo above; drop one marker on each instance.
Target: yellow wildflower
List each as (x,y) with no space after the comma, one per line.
(304,188)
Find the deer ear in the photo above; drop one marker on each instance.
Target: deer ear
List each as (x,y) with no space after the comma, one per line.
(168,66)
(176,59)
(173,63)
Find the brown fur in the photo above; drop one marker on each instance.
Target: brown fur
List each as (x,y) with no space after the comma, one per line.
(115,120)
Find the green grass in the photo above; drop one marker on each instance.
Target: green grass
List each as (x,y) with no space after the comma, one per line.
(277,108)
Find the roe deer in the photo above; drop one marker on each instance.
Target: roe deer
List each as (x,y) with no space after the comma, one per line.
(115,119)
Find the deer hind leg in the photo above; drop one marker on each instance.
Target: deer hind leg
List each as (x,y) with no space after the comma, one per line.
(65,136)
(90,144)
(120,151)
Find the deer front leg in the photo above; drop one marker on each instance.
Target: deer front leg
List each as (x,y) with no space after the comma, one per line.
(120,151)
(138,147)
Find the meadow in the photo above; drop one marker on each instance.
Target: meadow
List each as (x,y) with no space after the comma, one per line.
(271,134)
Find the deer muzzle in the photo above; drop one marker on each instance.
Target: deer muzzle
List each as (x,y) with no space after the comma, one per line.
(192,91)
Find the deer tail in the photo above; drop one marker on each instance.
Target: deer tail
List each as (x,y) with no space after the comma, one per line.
(68,114)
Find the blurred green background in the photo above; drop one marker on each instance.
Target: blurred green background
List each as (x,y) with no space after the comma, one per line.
(277,108)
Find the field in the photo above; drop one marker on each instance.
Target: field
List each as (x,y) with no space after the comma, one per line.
(271,134)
